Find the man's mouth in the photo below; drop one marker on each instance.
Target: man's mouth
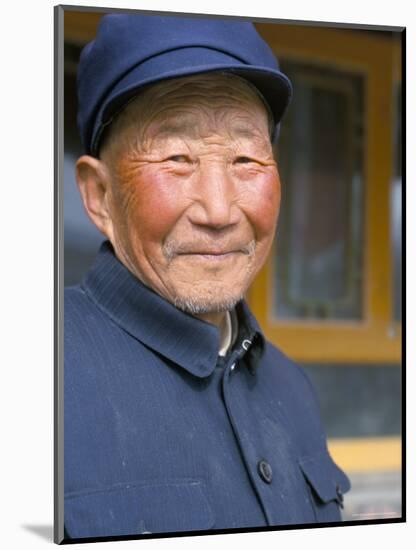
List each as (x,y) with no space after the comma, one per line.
(210,252)
(212,255)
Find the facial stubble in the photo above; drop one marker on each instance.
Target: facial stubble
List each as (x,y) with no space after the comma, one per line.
(218,297)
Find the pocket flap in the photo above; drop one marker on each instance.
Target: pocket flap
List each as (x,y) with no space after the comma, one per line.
(326,478)
(131,509)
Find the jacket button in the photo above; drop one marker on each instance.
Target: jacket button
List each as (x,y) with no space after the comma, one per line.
(265,471)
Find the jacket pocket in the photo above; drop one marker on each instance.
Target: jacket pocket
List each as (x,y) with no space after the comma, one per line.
(327,485)
(130,509)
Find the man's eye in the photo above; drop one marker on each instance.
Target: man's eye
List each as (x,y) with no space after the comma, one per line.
(243,160)
(179,158)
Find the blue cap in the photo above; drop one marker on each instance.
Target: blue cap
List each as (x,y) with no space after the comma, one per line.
(134,51)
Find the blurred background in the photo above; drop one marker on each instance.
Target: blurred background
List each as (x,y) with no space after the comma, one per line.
(330,294)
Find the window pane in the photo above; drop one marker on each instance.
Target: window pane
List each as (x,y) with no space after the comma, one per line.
(319,237)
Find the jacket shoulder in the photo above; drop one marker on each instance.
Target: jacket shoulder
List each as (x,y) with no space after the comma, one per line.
(86,328)
(80,310)
(284,366)
(75,300)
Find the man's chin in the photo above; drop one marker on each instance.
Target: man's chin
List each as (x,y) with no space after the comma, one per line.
(205,305)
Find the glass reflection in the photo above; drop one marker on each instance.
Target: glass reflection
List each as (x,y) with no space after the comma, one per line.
(319,241)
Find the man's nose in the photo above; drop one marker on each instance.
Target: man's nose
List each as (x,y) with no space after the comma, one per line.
(215,197)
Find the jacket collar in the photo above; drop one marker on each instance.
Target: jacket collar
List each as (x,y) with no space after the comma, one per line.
(187,341)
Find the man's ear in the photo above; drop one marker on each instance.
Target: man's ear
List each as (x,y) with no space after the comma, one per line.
(93,181)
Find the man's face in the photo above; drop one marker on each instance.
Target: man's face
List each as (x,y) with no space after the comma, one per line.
(195,191)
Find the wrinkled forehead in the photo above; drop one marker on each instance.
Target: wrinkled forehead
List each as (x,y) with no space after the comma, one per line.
(178,107)
(193,124)
(218,86)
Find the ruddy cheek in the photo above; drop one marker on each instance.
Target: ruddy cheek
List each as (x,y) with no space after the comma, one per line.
(156,208)
(265,205)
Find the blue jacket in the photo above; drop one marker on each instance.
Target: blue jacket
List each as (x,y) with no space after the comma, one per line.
(162,435)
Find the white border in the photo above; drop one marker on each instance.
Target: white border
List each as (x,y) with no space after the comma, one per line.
(27,270)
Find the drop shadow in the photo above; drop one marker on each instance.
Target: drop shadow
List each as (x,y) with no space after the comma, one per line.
(43,531)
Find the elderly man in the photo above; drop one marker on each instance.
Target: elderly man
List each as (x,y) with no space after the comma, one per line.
(179,416)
